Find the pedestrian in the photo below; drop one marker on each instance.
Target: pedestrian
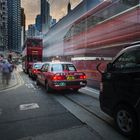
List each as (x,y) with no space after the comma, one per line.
(6,72)
(1,61)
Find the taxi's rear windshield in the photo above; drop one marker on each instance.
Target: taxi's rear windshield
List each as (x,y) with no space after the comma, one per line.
(63,67)
(37,66)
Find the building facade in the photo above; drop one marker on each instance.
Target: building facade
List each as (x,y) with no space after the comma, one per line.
(3,25)
(14,25)
(23,18)
(31,31)
(38,22)
(1,35)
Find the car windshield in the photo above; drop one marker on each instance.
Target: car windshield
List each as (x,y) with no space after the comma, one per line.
(63,67)
(37,66)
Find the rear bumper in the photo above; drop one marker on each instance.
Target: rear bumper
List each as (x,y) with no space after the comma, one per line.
(59,85)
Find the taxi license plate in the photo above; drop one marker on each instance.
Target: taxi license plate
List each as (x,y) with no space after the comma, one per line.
(70,78)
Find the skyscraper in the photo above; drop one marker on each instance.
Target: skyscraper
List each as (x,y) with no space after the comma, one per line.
(3,25)
(38,22)
(1,35)
(23,18)
(45,16)
(31,31)
(14,25)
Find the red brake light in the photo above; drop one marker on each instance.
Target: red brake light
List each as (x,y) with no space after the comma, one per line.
(82,76)
(58,77)
(34,71)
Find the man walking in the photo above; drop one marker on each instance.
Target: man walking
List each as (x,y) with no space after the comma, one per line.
(6,72)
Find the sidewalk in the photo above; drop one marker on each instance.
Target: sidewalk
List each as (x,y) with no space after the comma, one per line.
(13,82)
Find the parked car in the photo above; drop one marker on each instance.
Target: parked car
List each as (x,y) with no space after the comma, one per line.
(120,90)
(60,76)
(34,69)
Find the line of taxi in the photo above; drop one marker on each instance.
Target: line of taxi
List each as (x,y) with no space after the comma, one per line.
(58,76)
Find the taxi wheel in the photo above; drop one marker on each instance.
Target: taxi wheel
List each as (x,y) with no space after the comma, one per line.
(48,88)
(37,82)
(29,74)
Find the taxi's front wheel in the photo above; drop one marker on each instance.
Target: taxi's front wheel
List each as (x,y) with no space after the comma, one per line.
(37,82)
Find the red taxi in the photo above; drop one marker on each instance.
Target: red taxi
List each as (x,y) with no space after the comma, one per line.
(34,69)
(60,76)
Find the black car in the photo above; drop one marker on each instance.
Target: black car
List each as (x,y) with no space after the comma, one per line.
(120,90)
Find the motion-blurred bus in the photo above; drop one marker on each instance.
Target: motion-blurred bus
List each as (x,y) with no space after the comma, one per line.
(96,36)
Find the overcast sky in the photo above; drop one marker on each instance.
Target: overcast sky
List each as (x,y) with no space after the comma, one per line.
(57,9)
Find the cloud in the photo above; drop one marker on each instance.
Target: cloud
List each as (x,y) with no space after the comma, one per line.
(58,8)
(31,8)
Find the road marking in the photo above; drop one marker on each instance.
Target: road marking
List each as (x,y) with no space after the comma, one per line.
(28,106)
(92,90)
(30,85)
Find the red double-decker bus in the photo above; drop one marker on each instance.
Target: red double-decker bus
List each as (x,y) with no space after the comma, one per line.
(32,52)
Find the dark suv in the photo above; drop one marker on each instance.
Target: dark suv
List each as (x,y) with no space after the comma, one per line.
(120,90)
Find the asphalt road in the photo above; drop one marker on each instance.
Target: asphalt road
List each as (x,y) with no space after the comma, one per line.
(27,112)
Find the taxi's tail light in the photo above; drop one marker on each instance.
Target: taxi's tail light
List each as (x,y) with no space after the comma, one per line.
(34,71)
(58,77)
(82,76)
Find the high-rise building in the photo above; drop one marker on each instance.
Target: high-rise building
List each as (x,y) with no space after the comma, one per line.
(31,30)
(3,25)
(14,25)
(38,22)
(1,35)
(23,18)
(45,16)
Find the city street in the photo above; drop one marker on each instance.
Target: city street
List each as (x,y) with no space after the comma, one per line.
(91,47)
(28,112)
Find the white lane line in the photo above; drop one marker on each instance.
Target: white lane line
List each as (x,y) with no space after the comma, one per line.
(91,90)
(30,85)
(28,106)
